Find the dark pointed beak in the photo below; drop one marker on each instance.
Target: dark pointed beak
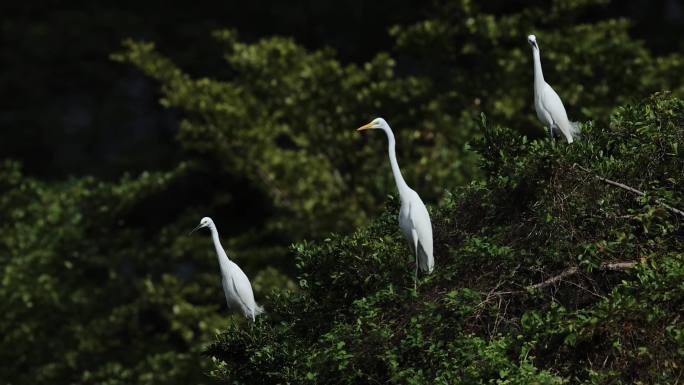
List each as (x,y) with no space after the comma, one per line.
(196,228)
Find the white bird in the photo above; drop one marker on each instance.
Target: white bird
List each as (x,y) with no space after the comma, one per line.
(550,109)
(414,219)
(236,286)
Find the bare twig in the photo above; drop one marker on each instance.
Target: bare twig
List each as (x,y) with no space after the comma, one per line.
(570,271)
(630,189)
(617,266)
(610,266)
(556,278)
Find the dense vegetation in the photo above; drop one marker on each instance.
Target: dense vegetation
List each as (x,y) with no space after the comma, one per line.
(101,284)
(546,274)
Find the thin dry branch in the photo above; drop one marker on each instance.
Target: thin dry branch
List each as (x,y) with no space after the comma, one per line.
(630,189)
(556,278)
(606,266)
(618,266)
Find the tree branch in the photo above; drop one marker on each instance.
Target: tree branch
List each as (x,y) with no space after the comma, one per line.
(606,266)
(556,278)
(630,189)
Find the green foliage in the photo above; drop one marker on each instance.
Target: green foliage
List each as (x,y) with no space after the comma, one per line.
(479,54)
(281,122)
(100,283)
(477,319)
(82,280)
(286,122)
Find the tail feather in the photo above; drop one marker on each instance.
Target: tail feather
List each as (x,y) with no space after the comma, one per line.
(571,130)
(255,312)
(575,129)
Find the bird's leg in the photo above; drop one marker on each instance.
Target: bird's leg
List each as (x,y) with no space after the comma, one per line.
(415,277)
(551,130)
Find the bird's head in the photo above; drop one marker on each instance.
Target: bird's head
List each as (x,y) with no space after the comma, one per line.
(533,41)
(377,123)
(205,222)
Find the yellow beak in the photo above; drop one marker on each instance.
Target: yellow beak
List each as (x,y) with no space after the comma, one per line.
(365,127)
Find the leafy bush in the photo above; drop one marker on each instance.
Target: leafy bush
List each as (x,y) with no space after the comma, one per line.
(495,310)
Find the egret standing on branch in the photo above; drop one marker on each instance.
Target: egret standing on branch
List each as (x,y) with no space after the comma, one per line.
(236,285)
(414,219)
(548,104)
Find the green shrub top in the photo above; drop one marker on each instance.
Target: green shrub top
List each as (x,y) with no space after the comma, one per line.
(544,274)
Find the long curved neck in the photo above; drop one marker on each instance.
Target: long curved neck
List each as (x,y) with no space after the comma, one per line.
(538,75)
(223,258)
(398,178)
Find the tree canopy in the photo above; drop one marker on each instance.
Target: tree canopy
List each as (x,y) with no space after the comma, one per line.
(102,285)
(548,272)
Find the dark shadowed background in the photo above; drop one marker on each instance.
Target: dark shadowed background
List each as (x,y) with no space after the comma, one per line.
(72,111)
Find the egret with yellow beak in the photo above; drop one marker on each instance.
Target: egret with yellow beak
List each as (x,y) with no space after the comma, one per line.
(414,220)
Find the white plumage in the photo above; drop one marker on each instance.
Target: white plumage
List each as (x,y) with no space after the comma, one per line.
(547,103)
(414,219)
(236,285)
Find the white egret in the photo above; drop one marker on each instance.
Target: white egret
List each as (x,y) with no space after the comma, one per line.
(550,109)
(414,219)
(236,286)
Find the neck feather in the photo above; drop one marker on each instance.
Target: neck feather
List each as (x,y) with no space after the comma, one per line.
(538,75)
(398,178)
(217,244)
